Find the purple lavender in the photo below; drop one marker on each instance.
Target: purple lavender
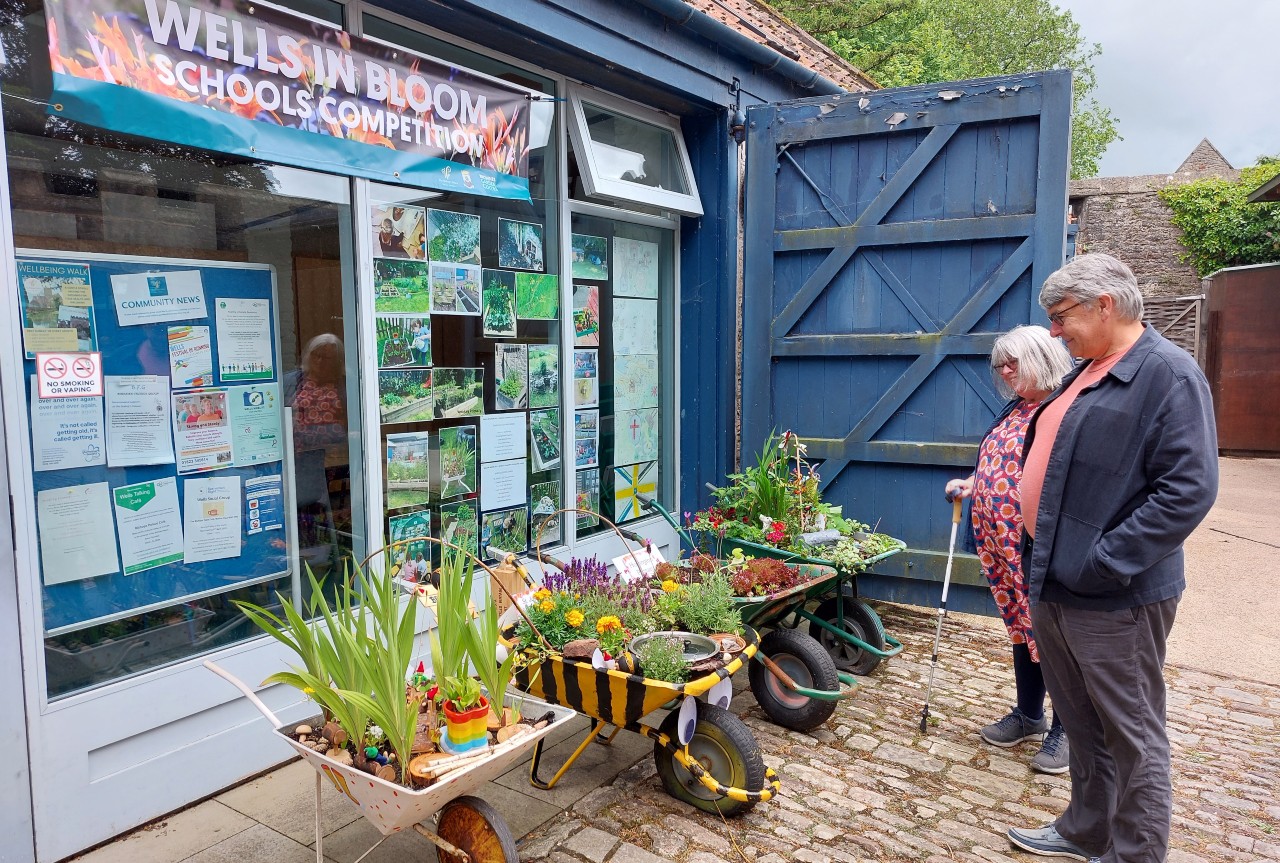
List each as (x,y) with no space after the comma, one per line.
(590,576)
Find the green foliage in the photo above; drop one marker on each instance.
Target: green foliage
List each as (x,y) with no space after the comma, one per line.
(482,643)
(1220,228)
(663,659)
(707,606)
(453,621)
(904,42)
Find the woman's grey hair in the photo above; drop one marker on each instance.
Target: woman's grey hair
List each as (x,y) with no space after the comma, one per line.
(318,342)
(1042,359)
(1089,277)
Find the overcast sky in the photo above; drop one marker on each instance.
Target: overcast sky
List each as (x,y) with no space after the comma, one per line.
(1176,71)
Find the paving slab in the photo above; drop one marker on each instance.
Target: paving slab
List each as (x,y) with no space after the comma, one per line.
(285,801)
(176,837)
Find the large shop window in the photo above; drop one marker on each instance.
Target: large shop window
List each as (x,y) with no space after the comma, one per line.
(176,492)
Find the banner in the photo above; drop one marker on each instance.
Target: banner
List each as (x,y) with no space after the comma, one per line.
(250,79)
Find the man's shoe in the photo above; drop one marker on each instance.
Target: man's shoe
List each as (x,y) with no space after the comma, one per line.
(1014,729)
(1046,842)
(1054,753)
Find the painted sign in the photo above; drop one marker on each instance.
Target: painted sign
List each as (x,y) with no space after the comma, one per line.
(69,376)
(248,78)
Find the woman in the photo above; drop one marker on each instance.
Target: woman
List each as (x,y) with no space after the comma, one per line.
(317,393)
(1028,364)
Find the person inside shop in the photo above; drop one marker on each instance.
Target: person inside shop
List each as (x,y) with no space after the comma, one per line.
(317,393)
(1028,364)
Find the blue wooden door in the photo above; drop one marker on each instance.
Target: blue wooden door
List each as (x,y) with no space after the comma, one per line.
(890,237)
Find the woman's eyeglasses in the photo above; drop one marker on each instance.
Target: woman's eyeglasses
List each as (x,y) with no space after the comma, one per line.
(1012,365)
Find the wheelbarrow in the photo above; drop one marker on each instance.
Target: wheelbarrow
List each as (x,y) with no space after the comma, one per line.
(845,626)
(467,829)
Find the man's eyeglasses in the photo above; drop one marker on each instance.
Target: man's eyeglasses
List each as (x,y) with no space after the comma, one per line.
(1012,365)
(1057,317)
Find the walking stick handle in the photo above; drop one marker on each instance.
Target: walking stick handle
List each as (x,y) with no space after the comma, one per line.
(956,506)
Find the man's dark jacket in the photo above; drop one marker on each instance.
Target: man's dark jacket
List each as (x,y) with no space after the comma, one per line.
(1133,470)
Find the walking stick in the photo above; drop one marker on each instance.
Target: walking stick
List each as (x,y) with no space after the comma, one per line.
(956,504)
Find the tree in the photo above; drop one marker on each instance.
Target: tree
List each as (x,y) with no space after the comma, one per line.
(905,42)
(1220,228)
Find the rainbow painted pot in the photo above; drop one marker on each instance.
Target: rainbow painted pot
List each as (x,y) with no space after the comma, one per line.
(466,731)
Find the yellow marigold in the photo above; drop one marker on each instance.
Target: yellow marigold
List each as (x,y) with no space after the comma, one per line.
(574,618)
(608,623)
(546,606)
(670,586)
(542,595)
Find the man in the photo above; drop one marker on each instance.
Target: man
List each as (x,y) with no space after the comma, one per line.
(1120,466)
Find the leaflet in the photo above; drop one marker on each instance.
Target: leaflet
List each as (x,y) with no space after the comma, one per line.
(202,429)
(66,432)
(76,537)
(263,504)
(244,340)
(190,357)
(138,429)
(148,525)
(257,424)
(211,519)
(152,298)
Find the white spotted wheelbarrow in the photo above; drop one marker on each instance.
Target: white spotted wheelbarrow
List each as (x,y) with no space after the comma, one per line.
(467,829)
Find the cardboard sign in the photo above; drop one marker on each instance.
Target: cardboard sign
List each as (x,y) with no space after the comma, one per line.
(69,375)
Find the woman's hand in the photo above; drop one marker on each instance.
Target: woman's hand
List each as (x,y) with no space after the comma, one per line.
(961,488)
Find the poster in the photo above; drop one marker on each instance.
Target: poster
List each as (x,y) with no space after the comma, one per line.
(544,376)
(67,376)
(544,436)
(190,357)
(635,436)
(210,519)
(635,326)
(408,469)
(544,522)
(66,432)
(502,484)
(458,392)
(399,231)
(405,396)
(153,298)
(263,504)
(511,377)
(202,430)
(588,499)
(502,436)
(257,417)
(537,297)
(635,381)
(635,268)
(57,307)
(453,238)
(630,483)
(148,524)
(586,315)
(586,438)
(460,527)
(590,257)
(498,303)
(457,461)
(244,340)
(403,340)
(586,379)
(505,531)
(411,558)
(138,426)
(520,245)
(77,536)
(401,286)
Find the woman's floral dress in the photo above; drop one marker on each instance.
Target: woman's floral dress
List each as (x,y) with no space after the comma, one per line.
(997,521)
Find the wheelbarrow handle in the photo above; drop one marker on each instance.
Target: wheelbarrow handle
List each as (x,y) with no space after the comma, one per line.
(245,691)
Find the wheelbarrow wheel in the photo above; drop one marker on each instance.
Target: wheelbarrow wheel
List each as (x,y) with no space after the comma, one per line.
(806,662)
(476,827)
(860,621)
(727,750)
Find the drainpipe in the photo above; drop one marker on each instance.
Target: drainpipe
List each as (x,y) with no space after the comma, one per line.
(725,36)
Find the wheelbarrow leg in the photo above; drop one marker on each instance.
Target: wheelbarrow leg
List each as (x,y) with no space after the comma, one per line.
(605,741)
(319,832)
(537,759)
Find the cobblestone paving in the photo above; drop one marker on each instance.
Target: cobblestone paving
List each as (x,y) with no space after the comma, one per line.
(867,786)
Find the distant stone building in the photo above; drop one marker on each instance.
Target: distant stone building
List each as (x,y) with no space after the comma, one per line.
(1123,216)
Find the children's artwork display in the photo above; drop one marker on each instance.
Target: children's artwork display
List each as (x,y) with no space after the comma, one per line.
(544,503)
(544,376)
(505,530)
(586,378)
(457,461)
(458,392)
(635,268)
(460,527)
(635,436)
(455,289)
(57,307)
(511,377)
(412,560)
(520,245)
(586,438)
(635,327)
(590,257)
(401,286)
(453,237)
(537,297)
(498,303)
(405,396)
(635,381)
(630,482)
(403,340)
(408,469)
(544,437)
(588,498)
(586,315)
(398,231)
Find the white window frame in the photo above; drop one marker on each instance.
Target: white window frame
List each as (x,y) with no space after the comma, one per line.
(625,191)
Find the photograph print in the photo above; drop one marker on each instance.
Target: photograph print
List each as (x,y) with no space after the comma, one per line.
(544,503)
(586,315)
(458,392)
(537,297)
(544,376)
(511,377)
(498,303)
(398,231)
(455,289)
(405,396)
(590,257)
(460,527)
(505,530)
(588,498)
(401,286)
(457,461)
(403,340)
(586,379)
(408,469)
(411,560)
(520,245)
(586,438)
(544,435)
(453,238)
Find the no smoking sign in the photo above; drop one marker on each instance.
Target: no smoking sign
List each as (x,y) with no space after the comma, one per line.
(68,376)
